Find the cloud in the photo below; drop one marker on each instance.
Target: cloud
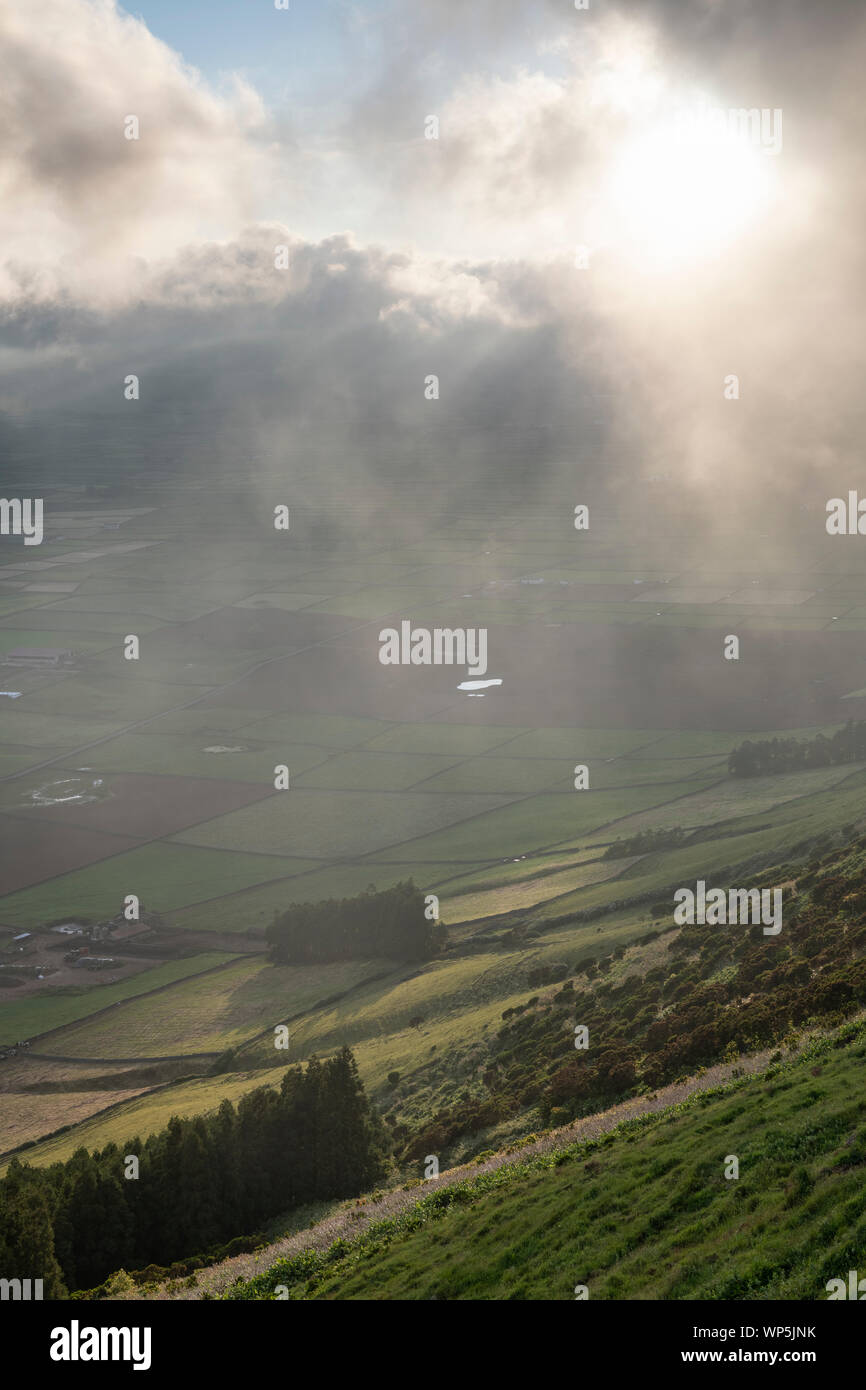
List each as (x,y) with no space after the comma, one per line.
(157,257)
(80,201)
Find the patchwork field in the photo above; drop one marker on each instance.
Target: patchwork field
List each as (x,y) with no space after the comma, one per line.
(27,1017)
(26,848)
(460,1001)
(513,897)
(349,822)
(164,876)
(258,651)
(208,1013)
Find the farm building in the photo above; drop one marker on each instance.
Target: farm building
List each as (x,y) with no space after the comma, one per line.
(119,929)
(25,941)
(39,656)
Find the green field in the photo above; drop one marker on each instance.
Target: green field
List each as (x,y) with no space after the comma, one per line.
(28,1018)
(254,907)
(187,755)
(211,1013)
(300,822)
(516,896)
(146,1115)
(538,822)
(365,770)
(461,1001)
(51,637)
(111,694)
(164,876)
(330,731)
(43,734)
(731,797)
(457,740)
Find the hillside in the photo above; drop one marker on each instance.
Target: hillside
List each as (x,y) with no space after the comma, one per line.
(642,1212)
(706,1045)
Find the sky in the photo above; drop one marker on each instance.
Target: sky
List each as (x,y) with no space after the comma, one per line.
(578,230)
(303,54)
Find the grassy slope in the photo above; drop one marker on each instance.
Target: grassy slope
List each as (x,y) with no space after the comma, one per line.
(645,1212)
(208,1013)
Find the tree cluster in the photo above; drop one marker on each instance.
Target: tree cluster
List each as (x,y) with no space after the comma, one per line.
(645,841)
(847,745)
(200,1181)
(393,924)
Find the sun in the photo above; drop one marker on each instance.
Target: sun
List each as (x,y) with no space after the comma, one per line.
(685,189)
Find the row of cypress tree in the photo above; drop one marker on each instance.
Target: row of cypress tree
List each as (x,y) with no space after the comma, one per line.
(201,1182)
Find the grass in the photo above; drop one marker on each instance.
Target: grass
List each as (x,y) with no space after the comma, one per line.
(511,776)
(201,720)
(48,637)
(254,907)
(183,754)
(455,996)
(729,797)
(82,626)
(500,872)
(461,1000)
(210,1013)
(304,822)
(11,763)
(30,1017)
(120,698)
(164,876)
(515,896)
(577,745)
(537,822)
(369,771)
(644,1212)
(459,740)
(43,733)
(330,731)
(25,1117)
(146,1115)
